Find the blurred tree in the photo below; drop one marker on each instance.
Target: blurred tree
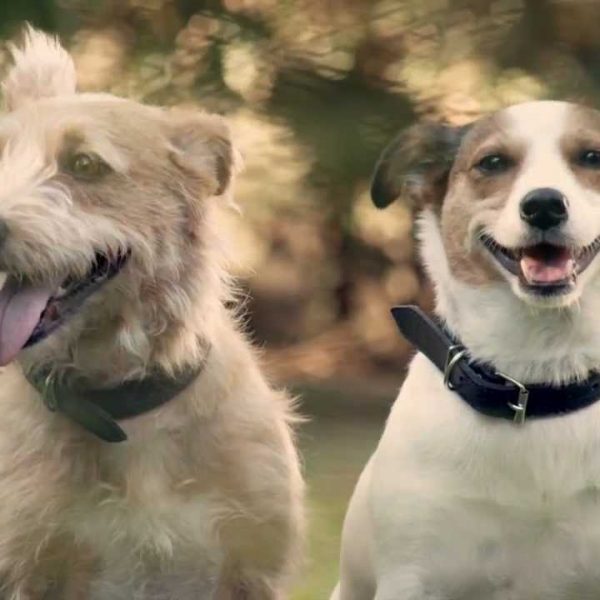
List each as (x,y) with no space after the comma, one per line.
(42,13)
(314,90)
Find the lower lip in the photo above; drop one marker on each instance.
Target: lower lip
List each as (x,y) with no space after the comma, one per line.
(542,289)
(53,320)
(556,289)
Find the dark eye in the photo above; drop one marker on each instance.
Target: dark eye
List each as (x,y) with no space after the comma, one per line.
(493,164)
(87,165)
(589,159)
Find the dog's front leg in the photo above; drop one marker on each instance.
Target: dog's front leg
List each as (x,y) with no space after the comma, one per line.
(249,589)
(23,573)
(404,584)
(55,570)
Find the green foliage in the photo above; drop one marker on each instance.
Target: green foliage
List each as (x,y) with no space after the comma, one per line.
(42,13)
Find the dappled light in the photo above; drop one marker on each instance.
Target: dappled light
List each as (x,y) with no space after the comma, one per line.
(313,91)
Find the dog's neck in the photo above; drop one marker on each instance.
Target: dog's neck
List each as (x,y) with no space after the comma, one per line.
(533,346)
(111,356)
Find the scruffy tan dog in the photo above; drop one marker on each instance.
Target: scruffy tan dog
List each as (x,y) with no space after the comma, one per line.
(142,453)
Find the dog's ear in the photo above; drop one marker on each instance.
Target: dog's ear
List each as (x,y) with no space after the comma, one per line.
(41,68)
(416,165)
(201,146)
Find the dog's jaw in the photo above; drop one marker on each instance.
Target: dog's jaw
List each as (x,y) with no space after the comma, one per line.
(144,318)
(530,343)
(544,275)
(31,312)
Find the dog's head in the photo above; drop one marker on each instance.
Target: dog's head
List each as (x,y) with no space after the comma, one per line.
(104,213)
(516,195)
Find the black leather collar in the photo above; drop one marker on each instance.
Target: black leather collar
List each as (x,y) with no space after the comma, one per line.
(483,389)
(99,409)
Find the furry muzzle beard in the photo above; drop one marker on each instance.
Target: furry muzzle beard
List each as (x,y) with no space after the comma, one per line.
(30,312)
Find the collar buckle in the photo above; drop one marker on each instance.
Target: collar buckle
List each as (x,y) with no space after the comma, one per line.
(456,353)
(520,407)
(49,396)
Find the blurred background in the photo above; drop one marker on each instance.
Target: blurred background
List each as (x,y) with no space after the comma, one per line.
(313,90)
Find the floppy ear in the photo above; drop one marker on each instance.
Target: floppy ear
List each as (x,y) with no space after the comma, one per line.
(416,165)
(201,146)
(42,68)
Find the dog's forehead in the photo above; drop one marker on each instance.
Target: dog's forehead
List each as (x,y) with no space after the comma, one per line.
(55,115)
(535,123)
(537,120)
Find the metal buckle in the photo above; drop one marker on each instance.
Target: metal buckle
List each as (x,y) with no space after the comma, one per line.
(49,394)
(520,407)
(455,353)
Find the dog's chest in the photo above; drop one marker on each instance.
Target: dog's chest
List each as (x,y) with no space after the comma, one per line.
(487,510)
(469,545)
(475,549)
(148,539)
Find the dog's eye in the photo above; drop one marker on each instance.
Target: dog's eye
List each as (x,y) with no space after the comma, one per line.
(493,164)
(589,159)
(87,165)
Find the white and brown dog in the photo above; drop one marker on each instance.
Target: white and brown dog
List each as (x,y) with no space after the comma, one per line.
(115,323)
(456,504)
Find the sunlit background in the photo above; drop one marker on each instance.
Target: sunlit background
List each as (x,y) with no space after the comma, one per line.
(313,89)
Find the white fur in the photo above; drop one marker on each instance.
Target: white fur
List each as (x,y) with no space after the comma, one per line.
(457,506)
(42,68)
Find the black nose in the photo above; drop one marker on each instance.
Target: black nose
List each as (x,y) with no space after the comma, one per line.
(544,208)
(3,232)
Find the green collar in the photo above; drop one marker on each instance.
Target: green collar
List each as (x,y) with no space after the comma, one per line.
(99,409)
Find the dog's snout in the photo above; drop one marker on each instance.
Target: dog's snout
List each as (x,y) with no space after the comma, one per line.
(3,232)
(544,208)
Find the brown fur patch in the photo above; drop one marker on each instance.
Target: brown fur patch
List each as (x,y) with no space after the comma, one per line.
(435,166)
(416,165)
(471,191)
(583,129)
(193,130)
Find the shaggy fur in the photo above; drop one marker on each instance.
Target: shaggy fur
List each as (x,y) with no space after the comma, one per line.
(454,505)
(204,500)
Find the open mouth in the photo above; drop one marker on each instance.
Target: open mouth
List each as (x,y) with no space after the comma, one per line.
(31,312)
(544,269)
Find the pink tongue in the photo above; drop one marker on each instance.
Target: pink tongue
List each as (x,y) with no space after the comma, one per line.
(547,269)
(21,307)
